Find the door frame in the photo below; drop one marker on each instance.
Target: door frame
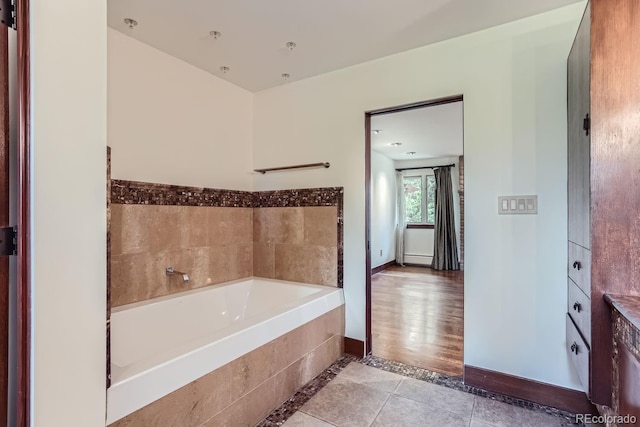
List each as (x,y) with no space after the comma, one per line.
(23,322)
(367,194)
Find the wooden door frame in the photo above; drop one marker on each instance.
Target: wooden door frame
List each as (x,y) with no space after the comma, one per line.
(367,189)
(23,323)
(5,139)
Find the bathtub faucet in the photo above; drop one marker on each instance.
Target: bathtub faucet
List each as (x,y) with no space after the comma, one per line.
(171,272)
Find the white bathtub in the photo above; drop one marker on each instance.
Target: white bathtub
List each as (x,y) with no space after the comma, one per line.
(160,345)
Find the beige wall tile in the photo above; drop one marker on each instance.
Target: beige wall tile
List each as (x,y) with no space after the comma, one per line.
(223,263)
(321,226)
(129,229)
(188,406)
(167,227)
(230,225)
(264,260)
(244,266)
(116,229)
(197,226)
(334,321)
(252,369)
(290,379)
(324,355)
(248,410)
(307,264)
(178,236)
(193,261)
(278,225)
(289,348)
(133,277)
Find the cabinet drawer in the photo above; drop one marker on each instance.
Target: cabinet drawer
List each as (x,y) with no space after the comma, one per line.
(579,307)
(579,353)
(580,267)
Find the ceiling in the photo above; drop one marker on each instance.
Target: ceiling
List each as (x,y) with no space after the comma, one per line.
(430,132)
(330,34)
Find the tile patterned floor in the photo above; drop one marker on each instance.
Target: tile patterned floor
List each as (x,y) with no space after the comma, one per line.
(375,392)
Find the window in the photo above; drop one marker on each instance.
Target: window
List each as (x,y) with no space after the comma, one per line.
(420,199)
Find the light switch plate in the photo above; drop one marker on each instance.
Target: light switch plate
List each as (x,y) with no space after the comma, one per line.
(518,205)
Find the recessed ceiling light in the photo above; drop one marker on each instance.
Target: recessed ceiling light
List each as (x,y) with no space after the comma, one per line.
(396,144)
(290,45)
(224,69)
(376,131)
(131,23)
(215,34)
(411,153)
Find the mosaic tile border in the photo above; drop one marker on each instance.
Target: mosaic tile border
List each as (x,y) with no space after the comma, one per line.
(301,197)
(302,396)
(108,314)
(626,333)
(146,193)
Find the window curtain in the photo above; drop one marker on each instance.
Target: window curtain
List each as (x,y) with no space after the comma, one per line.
(402,219)
(445,247)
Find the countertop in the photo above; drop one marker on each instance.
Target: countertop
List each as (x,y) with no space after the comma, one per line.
(627,306)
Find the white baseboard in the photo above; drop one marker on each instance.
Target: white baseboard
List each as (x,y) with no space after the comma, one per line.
(418,259)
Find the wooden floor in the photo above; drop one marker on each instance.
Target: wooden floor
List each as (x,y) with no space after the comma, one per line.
(417,317)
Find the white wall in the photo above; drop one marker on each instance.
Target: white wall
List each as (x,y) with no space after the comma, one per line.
(418,245)
(383,210)
(68,181)
(513,78)
(169,122)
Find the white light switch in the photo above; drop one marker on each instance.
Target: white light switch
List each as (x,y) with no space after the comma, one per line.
(518,205)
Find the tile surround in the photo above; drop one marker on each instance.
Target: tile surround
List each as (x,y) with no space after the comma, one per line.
(212,244)
(220,235)
(245,390)
(209,233)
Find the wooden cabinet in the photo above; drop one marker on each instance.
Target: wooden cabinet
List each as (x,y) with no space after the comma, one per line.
(603,101)
(578,117)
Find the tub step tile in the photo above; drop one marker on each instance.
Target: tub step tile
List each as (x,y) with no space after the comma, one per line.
(372,377)
(300,419)
(346,403)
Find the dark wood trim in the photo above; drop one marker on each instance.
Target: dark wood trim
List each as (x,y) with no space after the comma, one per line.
(522,388)
(4,218)
(416,105)
(354,347)
(367,227)
(382,267)
(431,226)
(24,210)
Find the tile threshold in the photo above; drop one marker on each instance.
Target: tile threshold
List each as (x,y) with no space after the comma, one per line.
(283,412)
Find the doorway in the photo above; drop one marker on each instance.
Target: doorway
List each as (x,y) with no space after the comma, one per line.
(415,312)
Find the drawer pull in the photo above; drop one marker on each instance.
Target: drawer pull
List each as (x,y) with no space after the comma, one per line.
(577,306)
(577,265)
(574,348)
